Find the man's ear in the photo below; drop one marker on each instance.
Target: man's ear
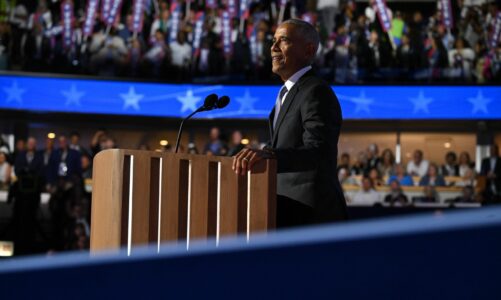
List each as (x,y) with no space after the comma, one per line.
(310,51)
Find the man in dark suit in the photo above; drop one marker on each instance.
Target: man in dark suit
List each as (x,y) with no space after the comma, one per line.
(491,169)
(304,129)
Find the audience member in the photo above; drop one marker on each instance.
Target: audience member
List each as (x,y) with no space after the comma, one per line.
(367,194)
(5,172)
(467,196)
(417,166)
(215,146)
(450,168)
(400,176)
(432,177)
(465,163)
(491,169)
(396,195)
(430,195)
(387,163)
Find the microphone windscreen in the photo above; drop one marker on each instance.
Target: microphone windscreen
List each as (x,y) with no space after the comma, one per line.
(210,101)
(222,102)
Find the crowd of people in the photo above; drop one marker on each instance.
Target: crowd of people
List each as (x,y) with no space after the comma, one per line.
(420,46)
(372,171)
(63,166)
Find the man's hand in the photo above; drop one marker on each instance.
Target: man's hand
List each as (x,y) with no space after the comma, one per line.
(246,158)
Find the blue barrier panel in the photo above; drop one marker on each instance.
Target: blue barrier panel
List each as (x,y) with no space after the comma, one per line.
(70,95)
(443,256)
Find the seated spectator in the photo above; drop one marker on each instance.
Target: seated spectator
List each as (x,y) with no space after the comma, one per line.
(465,163)
(432,177)
(450,168)
(417,166)
(372,158)
(344,162)
(5,171)
(359,166)
(430,195)
(401,176)
(396,195)
(467,196)
(387,163)
(367,195)
(376,177)
(345,178)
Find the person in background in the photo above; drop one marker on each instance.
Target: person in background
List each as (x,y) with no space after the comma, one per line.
(236,143)
(367,194)
(432,177)
(20,147)
(450,168)
(396,195)
(5,171)
(345,178)
(467,196)
(372,158)
(465,163)
(360,164)
(75,142)
(376,177)
(26,193)
(417,166)
(430,195)
(387,163)
(491,169)
(344,162)
(215,146)
(401,176)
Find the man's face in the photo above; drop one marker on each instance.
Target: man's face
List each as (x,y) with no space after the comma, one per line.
(290,51)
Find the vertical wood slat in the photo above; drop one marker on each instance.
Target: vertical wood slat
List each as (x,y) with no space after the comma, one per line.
(106,223)
(263,197)
(199,199)
(212,198)
(140,196)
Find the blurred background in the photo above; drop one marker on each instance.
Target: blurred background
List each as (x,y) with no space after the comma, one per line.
(418,82)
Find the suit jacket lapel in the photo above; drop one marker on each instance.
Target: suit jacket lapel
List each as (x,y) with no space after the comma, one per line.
(287,104)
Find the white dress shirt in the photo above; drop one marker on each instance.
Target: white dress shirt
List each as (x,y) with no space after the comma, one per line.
(293,79)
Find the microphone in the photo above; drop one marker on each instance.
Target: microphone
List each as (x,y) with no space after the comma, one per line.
(211,102)
(222,102)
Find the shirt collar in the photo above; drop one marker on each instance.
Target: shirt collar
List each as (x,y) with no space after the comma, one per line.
(294,78)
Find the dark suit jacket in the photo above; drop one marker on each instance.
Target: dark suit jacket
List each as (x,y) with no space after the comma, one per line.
(35,167)
(486,168)
(73,163)
(305,143)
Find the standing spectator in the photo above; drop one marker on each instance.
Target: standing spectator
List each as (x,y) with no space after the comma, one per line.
(491,169)
(367,194)
(387,163)
(215,146)
(465,163)
(417,166)
(19,148)
(5,171)
(432,177)
(236,143)
(156,56)
(372,157)
(26,193)
(437,58)
(401,176)
(181,55)
(450,168)
(461,61)
(396,195)
(75,142)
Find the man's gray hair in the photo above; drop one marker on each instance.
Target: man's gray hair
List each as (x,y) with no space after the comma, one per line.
(306,30)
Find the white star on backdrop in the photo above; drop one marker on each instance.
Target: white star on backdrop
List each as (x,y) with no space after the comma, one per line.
(131,99)
(246,102)
(421,103)
(73,96)
(479,103)
(189,101)
(14,93)
(362,102)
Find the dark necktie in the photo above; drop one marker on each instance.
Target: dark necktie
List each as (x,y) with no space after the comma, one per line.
(278,104)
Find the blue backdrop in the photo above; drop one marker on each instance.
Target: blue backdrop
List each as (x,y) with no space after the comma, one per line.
(178,100)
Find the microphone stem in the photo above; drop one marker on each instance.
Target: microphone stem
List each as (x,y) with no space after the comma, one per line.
(180,132)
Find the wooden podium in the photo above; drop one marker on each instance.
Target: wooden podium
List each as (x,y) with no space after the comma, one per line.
(145,197)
